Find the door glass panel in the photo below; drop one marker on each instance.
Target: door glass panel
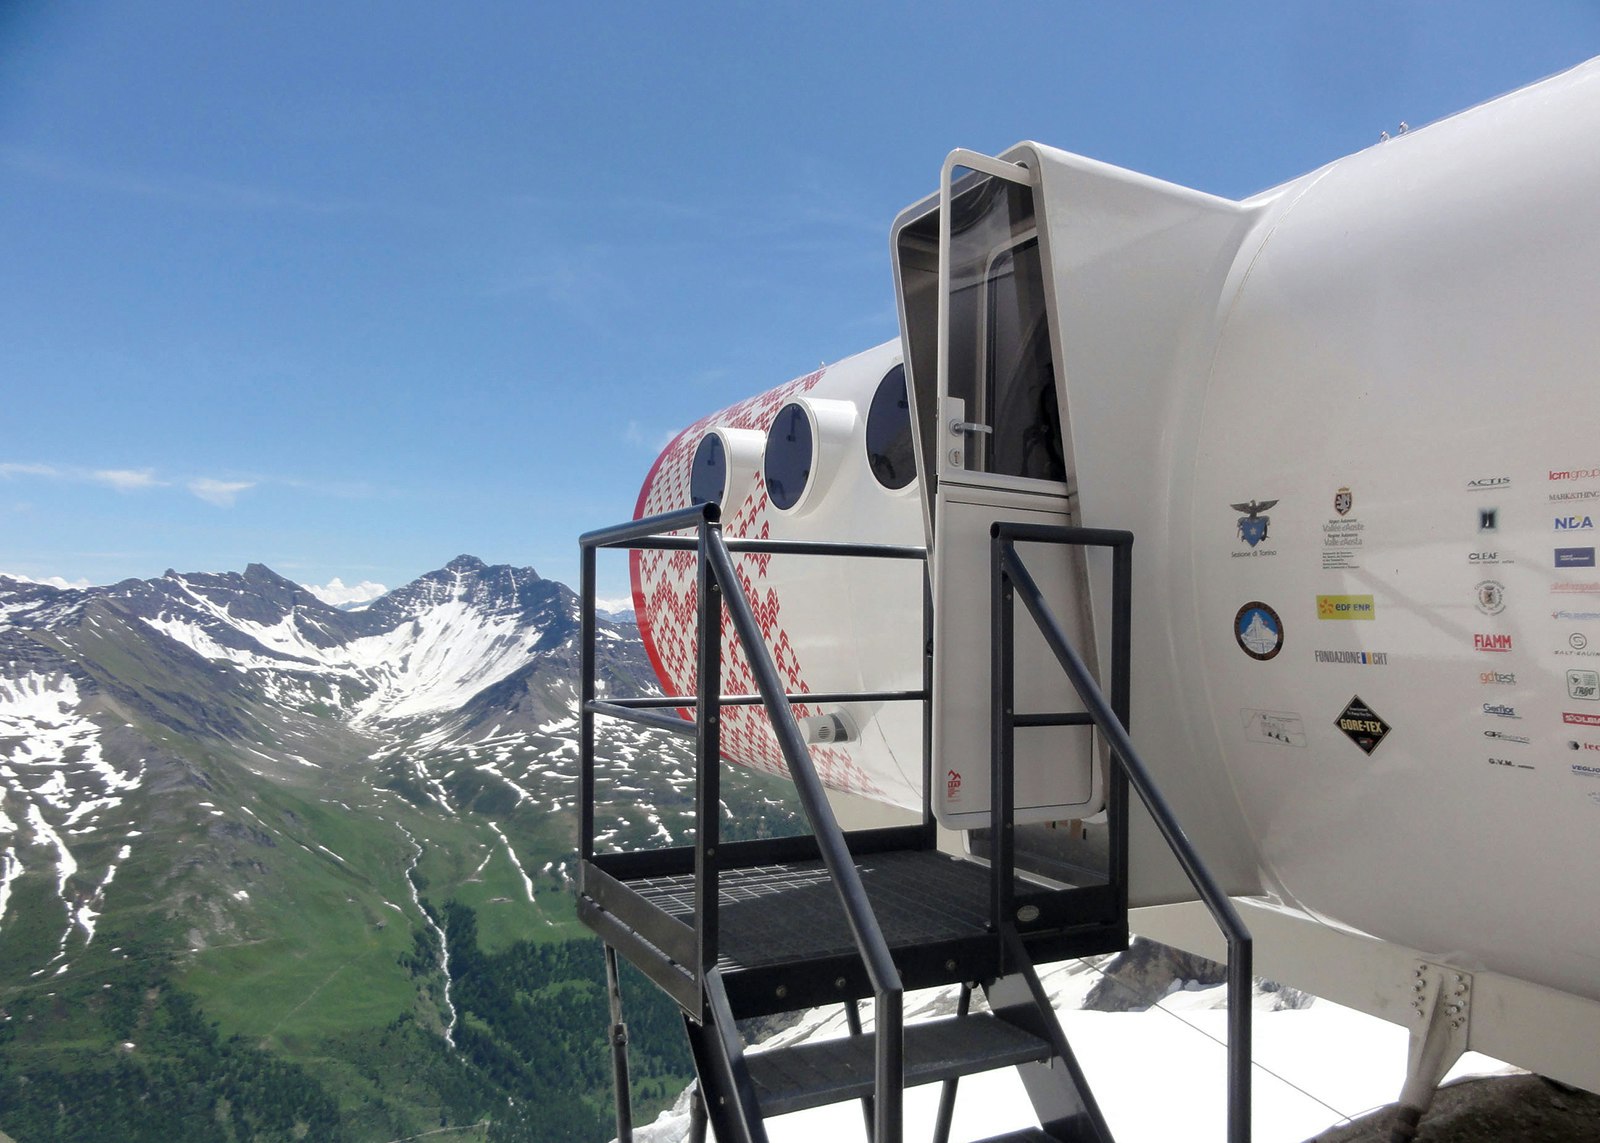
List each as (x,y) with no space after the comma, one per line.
(999,340)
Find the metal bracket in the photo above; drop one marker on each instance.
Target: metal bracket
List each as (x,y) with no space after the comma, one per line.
(1441,1023)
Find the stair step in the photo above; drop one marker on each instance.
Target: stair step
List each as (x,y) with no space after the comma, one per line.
(831,1071)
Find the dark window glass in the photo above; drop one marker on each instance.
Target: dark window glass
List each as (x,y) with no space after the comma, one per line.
(709,477)
(788,460)
(889,450)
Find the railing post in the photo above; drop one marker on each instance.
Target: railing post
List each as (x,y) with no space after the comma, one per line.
(708,750)
(1002,734)
(586,659)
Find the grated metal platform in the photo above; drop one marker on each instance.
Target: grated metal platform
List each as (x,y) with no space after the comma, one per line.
(777,914)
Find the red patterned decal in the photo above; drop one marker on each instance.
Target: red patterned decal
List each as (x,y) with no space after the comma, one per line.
(664,601)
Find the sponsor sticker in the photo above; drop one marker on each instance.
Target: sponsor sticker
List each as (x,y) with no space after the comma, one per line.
(1279,727)
(1573,523)
(1258,630)
(952,786)
(1358,658)
(1490,596)
(1574,557)
(1500,710)
(1341,534)
(1575,745)
(1575,616)
(1345,607)
(1498,678)
(1574,473)
(1582,494)
(1481,642)
(1488,519)
(1253,527)
(1507,762)
(1362,725)
(1578,647)
(1585,587)
(1583,770)
(1583,684)
(1484,483)
(1576,718)
(1481,559)
(1505,736)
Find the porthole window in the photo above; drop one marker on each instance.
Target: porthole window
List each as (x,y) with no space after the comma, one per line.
(889,452)
(788,456)
(708,479)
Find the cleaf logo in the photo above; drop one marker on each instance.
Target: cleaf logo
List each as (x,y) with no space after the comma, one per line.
(1490,597)
(1253,525)
(1488,482)
(1482,642)
(1500,710)
(1574,474)
(1583,685)
(1575,719)
(1345,607)
(1574,557)
(1483,557)
(1499,678)
(1574,523)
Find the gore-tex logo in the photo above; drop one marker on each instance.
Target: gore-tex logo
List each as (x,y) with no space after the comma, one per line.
(1491,642)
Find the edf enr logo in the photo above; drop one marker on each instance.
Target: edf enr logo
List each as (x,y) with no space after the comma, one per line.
(1574,523)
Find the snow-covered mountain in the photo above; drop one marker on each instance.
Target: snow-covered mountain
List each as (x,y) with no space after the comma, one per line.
(200,765)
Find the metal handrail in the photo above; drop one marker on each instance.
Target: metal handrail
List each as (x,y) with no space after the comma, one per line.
(716,576)
(1010,573)
(887,989)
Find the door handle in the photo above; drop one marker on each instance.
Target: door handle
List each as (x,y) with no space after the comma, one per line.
(959,427)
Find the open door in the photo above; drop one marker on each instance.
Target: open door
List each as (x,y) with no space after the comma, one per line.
(978,320)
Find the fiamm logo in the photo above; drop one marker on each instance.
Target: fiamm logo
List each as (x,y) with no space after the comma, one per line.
(1491,642)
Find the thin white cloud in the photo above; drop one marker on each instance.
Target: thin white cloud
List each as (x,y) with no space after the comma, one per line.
(10,469)
(48,581)
(222,493)
(126,479)
(613,606)
(336,593)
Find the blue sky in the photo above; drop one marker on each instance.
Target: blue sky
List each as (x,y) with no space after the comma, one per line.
(349,289)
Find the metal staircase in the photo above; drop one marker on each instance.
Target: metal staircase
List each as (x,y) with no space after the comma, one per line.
(758,927)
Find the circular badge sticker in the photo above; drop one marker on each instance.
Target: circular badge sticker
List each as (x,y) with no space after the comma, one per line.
(1258,630)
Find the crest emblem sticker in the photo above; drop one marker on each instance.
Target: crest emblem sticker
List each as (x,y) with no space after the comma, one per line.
(1253,525)
(1258,630)
(1343,501)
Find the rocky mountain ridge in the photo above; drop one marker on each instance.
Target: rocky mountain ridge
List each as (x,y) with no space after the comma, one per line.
(294,814)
